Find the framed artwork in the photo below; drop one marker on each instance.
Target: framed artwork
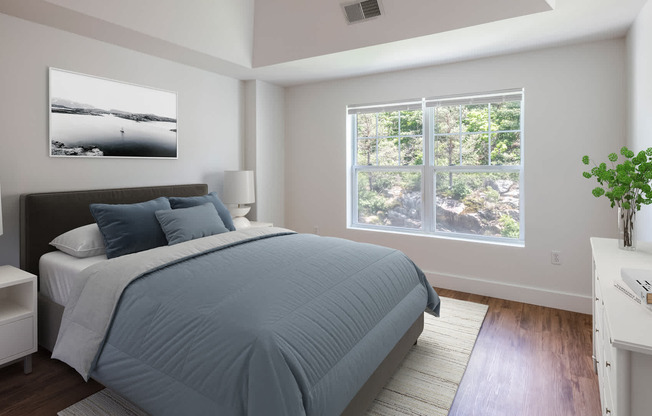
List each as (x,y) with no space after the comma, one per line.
(98,117)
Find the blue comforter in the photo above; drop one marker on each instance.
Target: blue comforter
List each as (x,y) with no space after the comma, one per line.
(285,324)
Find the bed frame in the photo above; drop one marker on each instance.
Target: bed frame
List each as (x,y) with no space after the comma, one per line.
(44,216)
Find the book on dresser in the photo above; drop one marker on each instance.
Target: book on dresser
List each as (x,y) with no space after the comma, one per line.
(638,281)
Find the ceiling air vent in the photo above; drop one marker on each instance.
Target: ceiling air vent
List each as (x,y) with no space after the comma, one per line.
(361,11)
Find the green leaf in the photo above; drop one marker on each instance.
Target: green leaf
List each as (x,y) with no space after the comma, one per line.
(624,150)
(598,192)
(626,205)
(587,175)
(612,157)
(585,159)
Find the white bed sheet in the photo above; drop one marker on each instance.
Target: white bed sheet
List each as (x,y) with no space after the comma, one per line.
(58,272)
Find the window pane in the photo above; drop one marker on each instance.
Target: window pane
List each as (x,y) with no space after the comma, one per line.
(388,152)
(475,117)
(412,123)
(366,152)
(388,124)
(506,116)
(478,203)
(447,119)
(366,125)
(411,151)
(447,150)
(390,198)
(475,149)
(506,149)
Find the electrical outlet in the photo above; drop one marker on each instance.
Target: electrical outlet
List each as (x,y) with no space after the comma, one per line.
(315,230)
(555,257)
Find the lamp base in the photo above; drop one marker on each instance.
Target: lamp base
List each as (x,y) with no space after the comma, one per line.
(240,223)
(239,211)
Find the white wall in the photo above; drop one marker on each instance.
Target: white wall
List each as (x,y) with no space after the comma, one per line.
(639,59)
(574,105)
(264,149)
(210,114)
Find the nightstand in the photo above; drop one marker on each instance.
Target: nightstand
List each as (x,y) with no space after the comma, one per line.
(257,224)
(17,316)
(241,223)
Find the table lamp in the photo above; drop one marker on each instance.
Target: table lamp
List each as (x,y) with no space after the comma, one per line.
(239,190)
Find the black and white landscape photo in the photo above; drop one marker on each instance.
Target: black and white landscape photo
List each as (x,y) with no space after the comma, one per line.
(97,117)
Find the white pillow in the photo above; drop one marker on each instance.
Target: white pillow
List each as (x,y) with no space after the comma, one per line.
(85,241)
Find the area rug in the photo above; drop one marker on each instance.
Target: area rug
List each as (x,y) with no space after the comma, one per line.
(424,385)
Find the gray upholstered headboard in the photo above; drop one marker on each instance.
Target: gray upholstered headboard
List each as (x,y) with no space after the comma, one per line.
(43,216)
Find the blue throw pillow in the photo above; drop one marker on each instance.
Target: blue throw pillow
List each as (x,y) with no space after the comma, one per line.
(185,224)
(129,228)
(193,201)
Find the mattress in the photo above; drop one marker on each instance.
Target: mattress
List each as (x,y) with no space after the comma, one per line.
(58,272)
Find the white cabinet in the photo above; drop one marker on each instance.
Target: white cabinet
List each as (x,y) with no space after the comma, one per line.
(622,332)
(18,338)
(257,224)
(241,223)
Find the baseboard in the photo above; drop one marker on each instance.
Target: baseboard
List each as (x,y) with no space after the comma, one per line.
(519,293)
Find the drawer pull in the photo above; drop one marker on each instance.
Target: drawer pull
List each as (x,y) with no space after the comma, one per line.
(597,298)
(608,411)
(607,364)
(597,330)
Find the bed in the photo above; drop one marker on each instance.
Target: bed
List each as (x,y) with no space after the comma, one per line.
(271,373)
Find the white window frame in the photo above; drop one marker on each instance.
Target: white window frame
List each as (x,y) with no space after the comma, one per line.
(428,170)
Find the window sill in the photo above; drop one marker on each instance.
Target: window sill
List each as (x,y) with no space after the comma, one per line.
(442,236)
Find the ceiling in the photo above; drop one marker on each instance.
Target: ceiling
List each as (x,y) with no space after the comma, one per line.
(289,42)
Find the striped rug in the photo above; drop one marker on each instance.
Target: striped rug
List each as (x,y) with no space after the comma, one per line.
(424,385)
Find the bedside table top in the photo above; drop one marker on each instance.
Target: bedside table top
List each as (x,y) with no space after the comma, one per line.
(10,275)
(255,224)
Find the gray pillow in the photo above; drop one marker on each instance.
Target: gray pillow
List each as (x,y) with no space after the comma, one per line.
(129,228)
(185,224)
(81,242)
(193,201)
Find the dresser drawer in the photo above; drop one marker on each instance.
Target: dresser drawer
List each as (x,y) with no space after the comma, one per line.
(15,338)
(608,403)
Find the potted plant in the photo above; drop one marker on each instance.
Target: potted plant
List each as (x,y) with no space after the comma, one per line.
(627,186)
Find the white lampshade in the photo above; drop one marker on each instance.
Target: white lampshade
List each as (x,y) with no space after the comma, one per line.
(0,211)
(239,187)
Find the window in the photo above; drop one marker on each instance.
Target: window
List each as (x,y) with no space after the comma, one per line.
(445,166)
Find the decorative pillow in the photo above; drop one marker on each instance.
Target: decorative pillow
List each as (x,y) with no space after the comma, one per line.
(193,201)
(185,224)
(84,241)
(129,228)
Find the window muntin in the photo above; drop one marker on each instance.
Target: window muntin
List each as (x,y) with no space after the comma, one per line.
(464,179)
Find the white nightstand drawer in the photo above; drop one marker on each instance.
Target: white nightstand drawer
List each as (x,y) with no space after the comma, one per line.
(17,338)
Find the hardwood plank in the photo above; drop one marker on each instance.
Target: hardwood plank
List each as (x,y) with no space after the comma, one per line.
(52,386)
(528,360)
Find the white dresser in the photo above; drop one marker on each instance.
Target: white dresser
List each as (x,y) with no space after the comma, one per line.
(622,332)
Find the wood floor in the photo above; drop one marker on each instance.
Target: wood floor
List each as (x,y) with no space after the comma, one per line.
(528,361)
